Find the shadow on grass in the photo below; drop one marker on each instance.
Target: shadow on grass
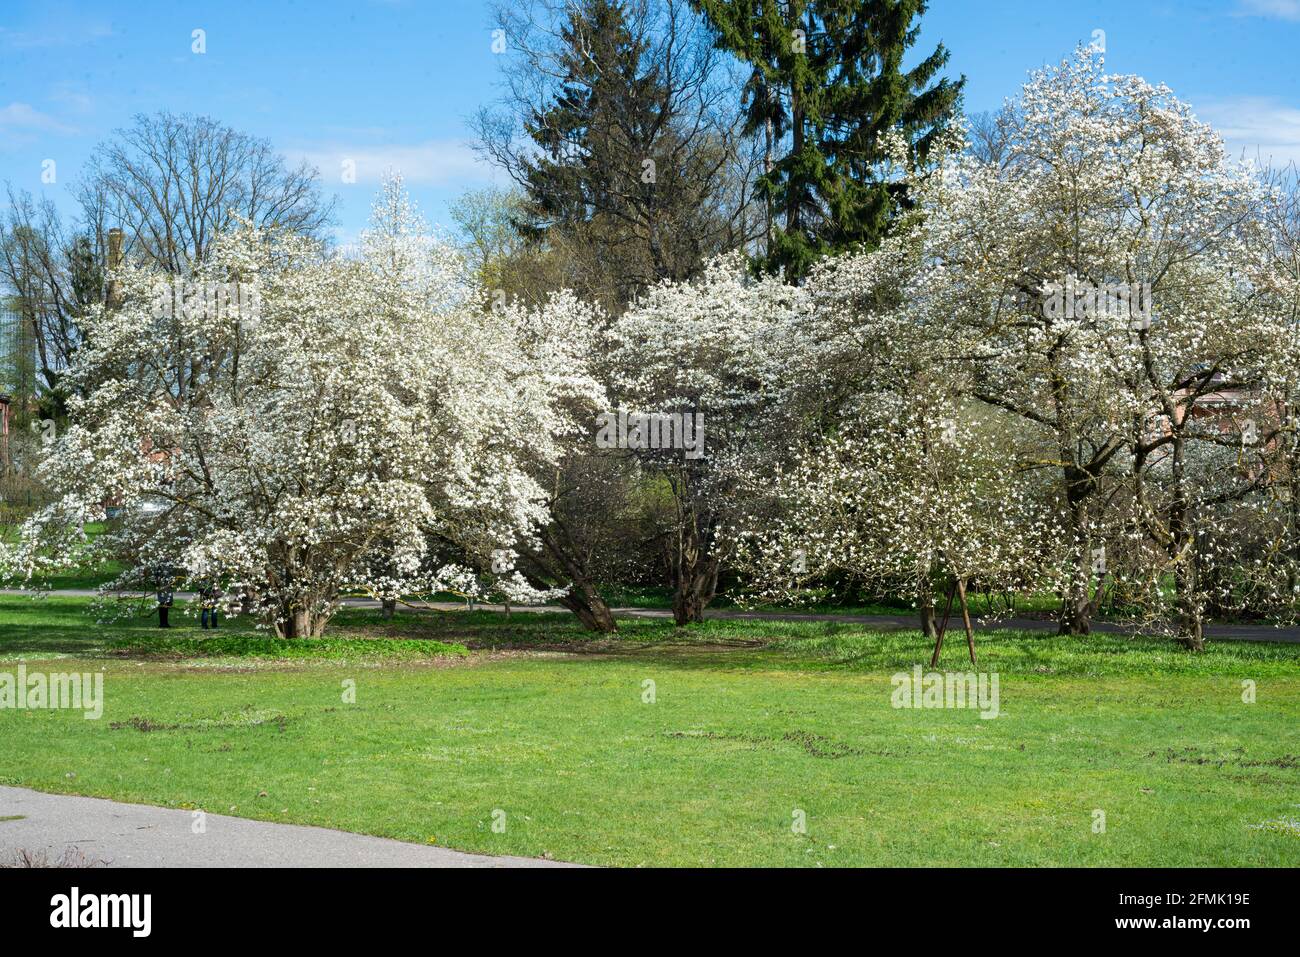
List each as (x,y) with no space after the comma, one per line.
(65,626)
(737,644)
(69,626)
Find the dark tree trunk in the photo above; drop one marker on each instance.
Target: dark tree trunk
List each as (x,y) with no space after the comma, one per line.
(688,607)
(925,604)
(1188,612)
(1076,603)
(693,565)
(387,606)
(943,625)
(965,618)
(592,610)
(697,582)
(1191,629)
(582,598)
(298,623)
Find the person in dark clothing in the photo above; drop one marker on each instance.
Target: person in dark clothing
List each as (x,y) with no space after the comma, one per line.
(164,604)
(209,596)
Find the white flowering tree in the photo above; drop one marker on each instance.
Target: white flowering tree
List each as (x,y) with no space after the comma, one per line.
(584,542)
(1087,282)
(725,348)
(340,430)
(914,487)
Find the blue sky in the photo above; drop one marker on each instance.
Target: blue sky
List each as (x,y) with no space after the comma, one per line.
(392,84)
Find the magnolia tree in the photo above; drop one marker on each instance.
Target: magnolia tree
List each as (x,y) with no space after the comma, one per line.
(704,375)
(1086,282)
(1265,572)
(584,541)
(865,355)
(297,426)
(916,488)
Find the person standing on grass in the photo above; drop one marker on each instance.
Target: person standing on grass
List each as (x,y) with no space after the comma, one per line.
(209,596)
(164,597)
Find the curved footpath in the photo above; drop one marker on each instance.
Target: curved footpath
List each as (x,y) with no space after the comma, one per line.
(61,830)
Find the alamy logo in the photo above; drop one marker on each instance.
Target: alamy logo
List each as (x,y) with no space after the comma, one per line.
(206,300)
(652,430)
(1073,299)
(946,690)
(75,691)
(103,910)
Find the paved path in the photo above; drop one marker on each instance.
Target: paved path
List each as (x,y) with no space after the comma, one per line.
(95,831)
(1225,632)
(1286,635)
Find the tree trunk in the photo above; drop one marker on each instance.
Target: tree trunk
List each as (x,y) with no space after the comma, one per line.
(1187,608)
(767,172)
(693,568)
(582,598)
(687,607)
(591,609)
(299,623)
(943,627)
(925,604)
(1076,603)
(694,589)
(388,606)
(1191,632)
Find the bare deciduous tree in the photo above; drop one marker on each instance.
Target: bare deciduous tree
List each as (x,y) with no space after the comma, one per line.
(175,182)
(53,274)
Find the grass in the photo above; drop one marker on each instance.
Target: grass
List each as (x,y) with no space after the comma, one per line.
(820,601)
(750,722)
(816,601)
(76,578)
(66,578)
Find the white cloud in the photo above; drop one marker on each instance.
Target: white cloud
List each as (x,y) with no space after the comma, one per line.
(1260,127)
(21,116)
(72,97)
(1274,9)
(21,125)
(432,163)
(72,31)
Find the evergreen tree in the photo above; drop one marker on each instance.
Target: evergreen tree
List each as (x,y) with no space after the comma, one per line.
(829,73)
(627,171)
(586,146)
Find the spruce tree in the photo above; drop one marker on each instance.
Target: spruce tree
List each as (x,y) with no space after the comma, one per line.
(590,139)
(831,80)
(621,167)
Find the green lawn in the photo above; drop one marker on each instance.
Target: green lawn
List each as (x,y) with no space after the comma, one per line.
(65,578)
(751,722)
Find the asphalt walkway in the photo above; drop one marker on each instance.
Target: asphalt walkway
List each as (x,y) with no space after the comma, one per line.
(62,830)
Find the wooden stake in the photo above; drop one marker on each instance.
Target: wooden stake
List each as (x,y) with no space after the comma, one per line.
(965,617)
(943,626)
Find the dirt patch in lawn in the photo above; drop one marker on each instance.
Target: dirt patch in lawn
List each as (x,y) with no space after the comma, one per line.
(814,745)
(1235,758)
